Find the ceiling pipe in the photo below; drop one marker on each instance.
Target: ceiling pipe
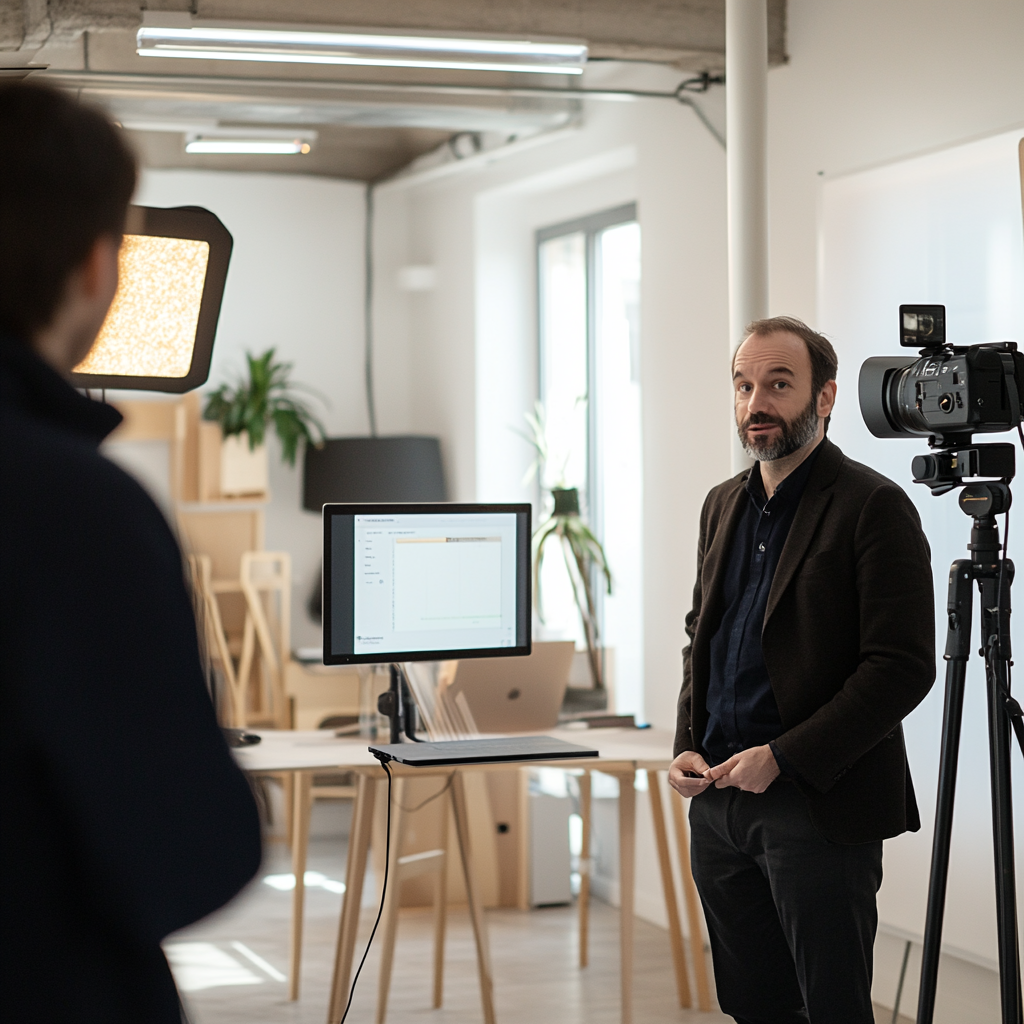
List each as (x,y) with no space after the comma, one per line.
(746,105)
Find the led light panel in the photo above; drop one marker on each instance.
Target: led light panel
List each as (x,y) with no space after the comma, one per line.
(158,334)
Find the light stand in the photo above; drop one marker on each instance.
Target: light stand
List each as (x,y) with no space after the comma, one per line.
(994,576)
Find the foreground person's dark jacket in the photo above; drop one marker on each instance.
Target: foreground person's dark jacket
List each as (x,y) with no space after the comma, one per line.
(123,815)
(848,640)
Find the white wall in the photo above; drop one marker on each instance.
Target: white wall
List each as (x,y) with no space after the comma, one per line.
(869,83)
(295,283)
(472,341)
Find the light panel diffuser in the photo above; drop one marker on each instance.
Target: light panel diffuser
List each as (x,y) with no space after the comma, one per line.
(150,330)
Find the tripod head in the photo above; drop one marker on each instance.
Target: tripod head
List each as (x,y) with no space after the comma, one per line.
(984,502)
(947,468)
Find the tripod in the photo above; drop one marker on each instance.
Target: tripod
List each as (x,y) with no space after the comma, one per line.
(994,576)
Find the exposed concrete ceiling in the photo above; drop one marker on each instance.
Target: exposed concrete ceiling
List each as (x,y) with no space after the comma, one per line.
(370,121)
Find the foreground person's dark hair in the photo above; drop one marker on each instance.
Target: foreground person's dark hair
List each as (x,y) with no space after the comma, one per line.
(66,178)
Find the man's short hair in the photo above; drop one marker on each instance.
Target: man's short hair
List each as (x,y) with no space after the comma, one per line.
(824,361)
(66,178)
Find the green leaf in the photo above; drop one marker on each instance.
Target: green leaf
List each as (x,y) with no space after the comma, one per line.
(267,396)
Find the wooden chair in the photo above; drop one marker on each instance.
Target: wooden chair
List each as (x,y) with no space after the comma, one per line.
(212,631)
(265,578)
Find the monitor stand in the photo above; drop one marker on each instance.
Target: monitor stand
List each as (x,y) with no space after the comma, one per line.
(397,705)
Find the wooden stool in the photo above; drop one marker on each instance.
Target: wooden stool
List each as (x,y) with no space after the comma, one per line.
(401,867)
(359,843)
(303,793)
(690,898)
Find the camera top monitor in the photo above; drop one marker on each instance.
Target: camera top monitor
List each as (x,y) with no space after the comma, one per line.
(425,582)
(922,326)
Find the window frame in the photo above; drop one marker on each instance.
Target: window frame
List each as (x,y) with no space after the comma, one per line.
(590,227)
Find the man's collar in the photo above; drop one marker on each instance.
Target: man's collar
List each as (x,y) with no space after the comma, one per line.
(792,484)
(33,384)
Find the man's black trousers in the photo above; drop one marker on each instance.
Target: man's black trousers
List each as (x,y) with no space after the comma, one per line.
(791,916)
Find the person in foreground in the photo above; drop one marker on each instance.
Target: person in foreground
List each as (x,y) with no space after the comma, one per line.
(124,816)
(811,638)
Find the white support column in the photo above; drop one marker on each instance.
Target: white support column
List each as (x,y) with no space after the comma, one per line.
(746,87)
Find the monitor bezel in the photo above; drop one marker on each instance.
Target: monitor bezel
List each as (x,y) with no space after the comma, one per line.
(524,587)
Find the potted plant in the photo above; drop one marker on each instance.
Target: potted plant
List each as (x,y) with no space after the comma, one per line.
(581,550)
(245,410)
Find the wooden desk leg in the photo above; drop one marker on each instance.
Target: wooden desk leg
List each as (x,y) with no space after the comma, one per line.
(301,802)
(355,871)
(391,902)
(584,781)
(627,881)
(440,910)
(483,955)
(700,964)
(668,884)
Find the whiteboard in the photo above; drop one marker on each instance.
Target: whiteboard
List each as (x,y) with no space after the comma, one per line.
(945,227)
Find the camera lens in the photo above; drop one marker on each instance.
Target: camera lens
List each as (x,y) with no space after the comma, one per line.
(878,390)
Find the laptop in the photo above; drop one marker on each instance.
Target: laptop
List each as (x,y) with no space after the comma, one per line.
(516,694)
(497,749)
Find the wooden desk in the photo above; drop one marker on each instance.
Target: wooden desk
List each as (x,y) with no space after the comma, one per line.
(622,753)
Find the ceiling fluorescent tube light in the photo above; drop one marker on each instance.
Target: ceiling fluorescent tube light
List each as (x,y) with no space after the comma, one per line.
(178,36)
(265,147)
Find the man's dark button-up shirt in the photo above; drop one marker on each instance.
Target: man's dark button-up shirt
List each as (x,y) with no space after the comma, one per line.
(741,706)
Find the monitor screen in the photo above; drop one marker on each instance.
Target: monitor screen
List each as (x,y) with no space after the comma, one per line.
(424,582)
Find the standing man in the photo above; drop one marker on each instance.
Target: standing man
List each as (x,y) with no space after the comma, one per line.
(811,638)
(124,817)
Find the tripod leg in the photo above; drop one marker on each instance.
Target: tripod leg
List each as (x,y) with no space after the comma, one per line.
(1002,838)
(958,642)
(996,634)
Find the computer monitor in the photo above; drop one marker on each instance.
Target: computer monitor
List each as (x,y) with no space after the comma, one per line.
(425,582)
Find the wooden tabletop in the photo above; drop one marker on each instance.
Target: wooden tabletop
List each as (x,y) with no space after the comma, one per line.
(314,749)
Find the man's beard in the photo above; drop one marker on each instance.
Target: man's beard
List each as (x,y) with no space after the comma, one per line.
(792,435)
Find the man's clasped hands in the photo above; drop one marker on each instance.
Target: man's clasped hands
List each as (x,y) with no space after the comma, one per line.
(752,770)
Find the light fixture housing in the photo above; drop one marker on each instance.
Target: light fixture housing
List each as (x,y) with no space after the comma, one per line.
(253,145)
(177,35)
(158,334)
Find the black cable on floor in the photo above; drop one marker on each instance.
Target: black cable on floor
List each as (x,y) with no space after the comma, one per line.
(383,758)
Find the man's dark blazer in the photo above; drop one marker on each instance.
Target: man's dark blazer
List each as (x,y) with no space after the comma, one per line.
(848,640)
(124,816)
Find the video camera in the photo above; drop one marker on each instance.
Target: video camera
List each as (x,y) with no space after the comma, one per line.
(947,394)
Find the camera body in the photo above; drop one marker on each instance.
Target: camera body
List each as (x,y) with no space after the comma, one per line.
(946,394)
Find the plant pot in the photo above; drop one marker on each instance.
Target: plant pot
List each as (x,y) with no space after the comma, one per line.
(567,501)
(243,471)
